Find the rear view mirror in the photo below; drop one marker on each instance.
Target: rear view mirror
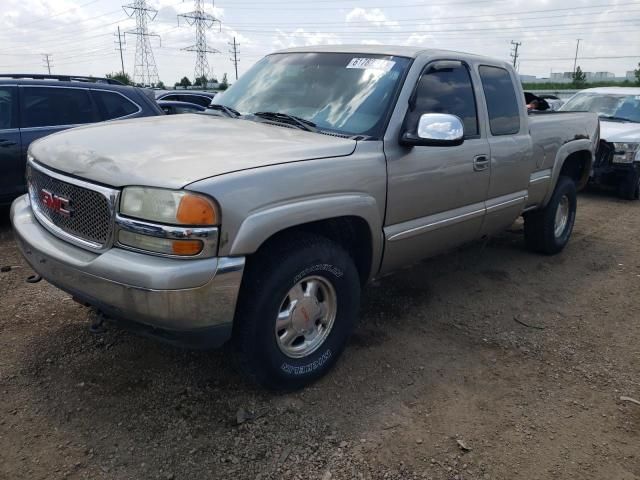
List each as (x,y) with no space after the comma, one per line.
(436,129)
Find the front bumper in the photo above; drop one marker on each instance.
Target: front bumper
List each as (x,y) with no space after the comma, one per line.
(174,299)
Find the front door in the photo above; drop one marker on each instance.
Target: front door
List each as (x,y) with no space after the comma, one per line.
(11,166)
(436,195)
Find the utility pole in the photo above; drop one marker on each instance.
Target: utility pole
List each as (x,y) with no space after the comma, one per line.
(145,71)
(203,21)
(120,48)
(235,52)
(514,53)
(47,59)
(575,59)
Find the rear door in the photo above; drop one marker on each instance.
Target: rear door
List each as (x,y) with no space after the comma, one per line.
(510,145)
(11,167)
(49,109)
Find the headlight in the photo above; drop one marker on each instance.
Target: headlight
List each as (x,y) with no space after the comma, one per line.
(626,152)
(175,207)
(168,222)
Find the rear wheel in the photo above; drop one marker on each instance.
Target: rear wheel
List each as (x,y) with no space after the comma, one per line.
(548,230)
(298,304)
(630,186)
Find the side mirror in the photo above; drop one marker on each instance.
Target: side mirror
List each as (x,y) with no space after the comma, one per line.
(436,129)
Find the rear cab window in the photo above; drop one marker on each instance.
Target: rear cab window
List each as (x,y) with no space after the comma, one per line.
(445,87)
(502,103)
(56,106)
(114,105)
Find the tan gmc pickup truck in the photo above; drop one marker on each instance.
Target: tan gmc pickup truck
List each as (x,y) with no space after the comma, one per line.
(318,170)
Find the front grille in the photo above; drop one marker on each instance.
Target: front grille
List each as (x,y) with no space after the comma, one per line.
(91,217)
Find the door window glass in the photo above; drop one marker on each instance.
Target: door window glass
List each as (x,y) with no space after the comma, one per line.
(114,105)
(8,112)
(446,87)
(48,107)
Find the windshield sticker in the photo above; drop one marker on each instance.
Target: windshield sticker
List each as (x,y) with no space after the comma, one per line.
(371,64)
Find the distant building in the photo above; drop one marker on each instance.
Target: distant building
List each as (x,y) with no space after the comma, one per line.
(567,77)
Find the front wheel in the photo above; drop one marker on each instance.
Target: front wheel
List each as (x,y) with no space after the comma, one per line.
(548,230)
(299,300)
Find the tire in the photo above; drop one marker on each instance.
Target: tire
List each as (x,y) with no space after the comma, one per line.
(629,188)
(280,279)
(540,232)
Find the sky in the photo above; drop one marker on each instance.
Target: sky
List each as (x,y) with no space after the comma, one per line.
(80,34)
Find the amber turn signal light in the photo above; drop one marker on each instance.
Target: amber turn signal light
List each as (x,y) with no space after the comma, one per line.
(196,210)
(186,247)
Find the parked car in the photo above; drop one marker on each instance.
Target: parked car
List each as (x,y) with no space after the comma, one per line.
(199,97)
(32,106)
(172,108)
(618,161)
(262,224)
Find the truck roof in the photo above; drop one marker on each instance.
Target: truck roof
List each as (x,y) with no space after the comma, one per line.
(395,50)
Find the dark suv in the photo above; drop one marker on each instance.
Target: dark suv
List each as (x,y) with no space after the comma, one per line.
(32,106)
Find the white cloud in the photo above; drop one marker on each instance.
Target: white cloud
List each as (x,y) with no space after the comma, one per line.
(301,38)
(374,16)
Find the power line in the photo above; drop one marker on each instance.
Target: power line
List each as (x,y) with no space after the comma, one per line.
(145,71)
(47,59)
(235,52)
(202,21)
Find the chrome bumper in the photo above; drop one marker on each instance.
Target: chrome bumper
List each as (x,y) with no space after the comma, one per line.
(164,293)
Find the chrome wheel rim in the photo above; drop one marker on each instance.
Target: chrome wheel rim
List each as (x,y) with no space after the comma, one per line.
(306,316)
(562,216)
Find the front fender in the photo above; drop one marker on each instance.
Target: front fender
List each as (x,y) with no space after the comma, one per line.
(263,224)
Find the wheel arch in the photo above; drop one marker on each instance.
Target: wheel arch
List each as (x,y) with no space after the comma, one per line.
(353,221)
(574,160)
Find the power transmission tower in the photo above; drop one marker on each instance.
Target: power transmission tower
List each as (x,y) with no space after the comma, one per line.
(235,52)
(145,71)
(120,48)
(46,58)
(514,53)
(203,21)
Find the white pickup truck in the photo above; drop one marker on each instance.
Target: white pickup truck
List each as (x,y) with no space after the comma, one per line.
(324,168)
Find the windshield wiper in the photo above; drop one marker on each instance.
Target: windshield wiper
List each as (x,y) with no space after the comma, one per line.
(620,119)
(302,123)
(228,111)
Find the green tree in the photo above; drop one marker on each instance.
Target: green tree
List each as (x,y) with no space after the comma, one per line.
(160,84)
(225,82)
(636,72)
(579,77)
(201,81)
(121,77)
(185,82)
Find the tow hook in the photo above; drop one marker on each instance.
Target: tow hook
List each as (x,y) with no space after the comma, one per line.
(97,323)
(33,278)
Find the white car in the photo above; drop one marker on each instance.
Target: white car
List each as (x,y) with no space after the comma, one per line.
(618,160)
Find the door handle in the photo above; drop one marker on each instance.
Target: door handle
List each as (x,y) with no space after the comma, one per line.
(480,163)
(7,143)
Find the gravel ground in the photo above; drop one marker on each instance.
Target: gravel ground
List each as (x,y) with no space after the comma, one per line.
(440,381)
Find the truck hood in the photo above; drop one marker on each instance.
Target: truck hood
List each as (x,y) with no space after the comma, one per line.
(620,132)
(173,151)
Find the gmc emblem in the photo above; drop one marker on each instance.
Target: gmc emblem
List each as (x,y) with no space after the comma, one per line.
(56,203)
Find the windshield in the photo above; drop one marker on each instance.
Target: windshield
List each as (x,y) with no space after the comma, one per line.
(339,92)
(624,107)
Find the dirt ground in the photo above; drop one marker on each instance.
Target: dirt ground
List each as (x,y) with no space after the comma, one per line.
(440,381)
